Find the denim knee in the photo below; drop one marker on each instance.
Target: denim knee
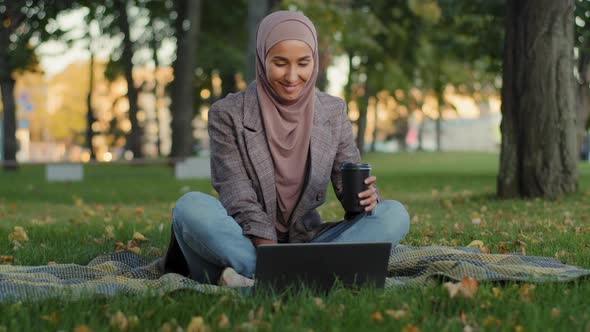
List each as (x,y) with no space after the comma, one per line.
(396,220)
(192,211)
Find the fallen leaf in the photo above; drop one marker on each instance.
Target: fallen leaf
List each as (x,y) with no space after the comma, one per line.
(466,288)
(376,316)
(526,292)
(463,317)
(197,324)
(476,244)
(139,237)
(139,211)
(6,260)
(53,317)
(410,328)
(318,302)
(82,328)
(467,328)
(119,321)
(223,321)
(497,292)
(555,313)
(18,235)
(396,314)
(120,246)
(166,327)
(491,320)
(518,328)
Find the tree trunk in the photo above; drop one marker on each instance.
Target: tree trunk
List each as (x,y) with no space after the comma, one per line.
(375,131)
(8,105)
(184,68)
(154,44)
(538,155)
(363,103)
(583,97)
(90,119)
(9,132)
(257,9)
(134,137)
(441,101)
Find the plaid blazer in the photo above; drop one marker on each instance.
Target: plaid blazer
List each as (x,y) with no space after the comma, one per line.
(242,170)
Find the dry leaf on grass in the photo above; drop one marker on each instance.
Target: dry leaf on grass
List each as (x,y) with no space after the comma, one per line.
(410,328)
(396,314)
(376,316)
(197,324)
(466,288)
(18,237)
(6,260)
(82,328)
(223,321)
(139,237)
(119,321)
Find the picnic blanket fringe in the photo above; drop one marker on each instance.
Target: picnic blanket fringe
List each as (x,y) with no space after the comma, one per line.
(128,273)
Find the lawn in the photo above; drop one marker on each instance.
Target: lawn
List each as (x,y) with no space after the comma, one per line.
(451,201)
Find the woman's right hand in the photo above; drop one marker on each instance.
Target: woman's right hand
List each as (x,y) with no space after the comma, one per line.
(258,241)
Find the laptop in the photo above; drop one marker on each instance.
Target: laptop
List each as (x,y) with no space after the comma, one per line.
(320,266)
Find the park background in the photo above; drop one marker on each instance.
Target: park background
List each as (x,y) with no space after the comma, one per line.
(123,87)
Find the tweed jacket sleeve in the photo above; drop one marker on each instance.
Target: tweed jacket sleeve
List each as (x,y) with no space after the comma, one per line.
(347,152)
(230,180)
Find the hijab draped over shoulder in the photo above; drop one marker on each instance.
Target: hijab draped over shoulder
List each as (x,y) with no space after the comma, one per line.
(287,125)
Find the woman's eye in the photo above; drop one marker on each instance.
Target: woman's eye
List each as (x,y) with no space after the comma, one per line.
(280,64)
(303,64)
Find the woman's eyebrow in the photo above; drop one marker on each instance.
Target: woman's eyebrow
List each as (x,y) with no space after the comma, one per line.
(280,58)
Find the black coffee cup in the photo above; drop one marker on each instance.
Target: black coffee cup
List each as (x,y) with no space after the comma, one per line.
(353,183)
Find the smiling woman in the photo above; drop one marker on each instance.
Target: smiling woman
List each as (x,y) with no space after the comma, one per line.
(274,149)
(289,65)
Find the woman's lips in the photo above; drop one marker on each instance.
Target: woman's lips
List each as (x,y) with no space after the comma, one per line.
(290,88)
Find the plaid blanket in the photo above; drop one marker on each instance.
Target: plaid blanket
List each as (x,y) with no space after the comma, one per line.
(128,273)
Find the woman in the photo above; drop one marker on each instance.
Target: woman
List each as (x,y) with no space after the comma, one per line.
(274,148)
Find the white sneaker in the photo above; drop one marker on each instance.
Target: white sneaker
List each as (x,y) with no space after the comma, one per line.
(231,278)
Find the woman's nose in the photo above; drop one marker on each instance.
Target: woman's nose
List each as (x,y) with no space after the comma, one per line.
(292,74)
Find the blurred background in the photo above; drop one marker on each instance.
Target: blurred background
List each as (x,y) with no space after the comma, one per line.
(133,79)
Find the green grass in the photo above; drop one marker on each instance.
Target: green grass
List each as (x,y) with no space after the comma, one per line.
(66,223)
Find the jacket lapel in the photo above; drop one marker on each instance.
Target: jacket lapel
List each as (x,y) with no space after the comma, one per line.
(258,150)
(319,147)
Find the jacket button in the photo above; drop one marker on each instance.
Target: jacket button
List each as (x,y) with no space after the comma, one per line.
(247,227)
(319,196)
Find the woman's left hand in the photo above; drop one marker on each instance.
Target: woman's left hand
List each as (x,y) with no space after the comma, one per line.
(370,197)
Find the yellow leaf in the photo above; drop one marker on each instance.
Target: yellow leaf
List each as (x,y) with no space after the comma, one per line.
(52,317)
(396,314)
(197,324)
(318,302)
(476,244)
(136,250)
(82,328)
(466,288)
(518,328)
(555,313)
(223,321)
(138,211)
(139,237)
(166,327)
(119,321)
(6,260)
(18,235)
(497,292)
(376,316)
(410,328)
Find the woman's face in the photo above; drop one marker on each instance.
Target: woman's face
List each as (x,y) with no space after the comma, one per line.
(289,65)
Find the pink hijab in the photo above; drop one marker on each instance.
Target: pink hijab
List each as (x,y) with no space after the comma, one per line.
(287,127)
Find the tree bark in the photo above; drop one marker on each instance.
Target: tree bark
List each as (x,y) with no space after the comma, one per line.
(134,137)
(538,154)
(189,11)
(90,119)
(583,97)
(8,104)
(257,9)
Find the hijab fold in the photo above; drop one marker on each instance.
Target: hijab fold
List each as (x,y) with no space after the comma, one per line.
(287,125)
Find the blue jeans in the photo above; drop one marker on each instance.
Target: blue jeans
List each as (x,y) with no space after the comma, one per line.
(211,240)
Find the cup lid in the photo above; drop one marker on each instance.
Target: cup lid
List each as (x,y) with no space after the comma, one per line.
(355,166)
